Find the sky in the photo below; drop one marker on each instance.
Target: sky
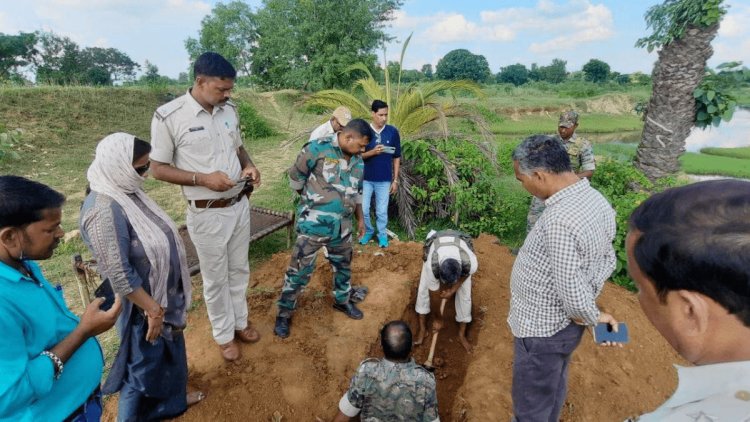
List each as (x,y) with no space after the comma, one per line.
(505,32)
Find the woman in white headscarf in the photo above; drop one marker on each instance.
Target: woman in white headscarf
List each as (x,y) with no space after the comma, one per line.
(139,251)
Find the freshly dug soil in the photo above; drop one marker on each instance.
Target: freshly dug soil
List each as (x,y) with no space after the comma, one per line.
(303,377)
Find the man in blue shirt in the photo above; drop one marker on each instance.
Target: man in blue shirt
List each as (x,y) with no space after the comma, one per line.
(50,363)
(382,164)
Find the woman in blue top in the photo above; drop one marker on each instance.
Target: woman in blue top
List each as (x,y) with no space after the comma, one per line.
(140,252)
(50,362)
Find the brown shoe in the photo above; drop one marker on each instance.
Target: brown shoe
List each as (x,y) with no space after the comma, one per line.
(230,351)
(248,335)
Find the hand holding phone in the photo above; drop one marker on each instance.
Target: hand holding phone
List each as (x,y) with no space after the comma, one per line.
(603,333)
(389,150)
(105,291)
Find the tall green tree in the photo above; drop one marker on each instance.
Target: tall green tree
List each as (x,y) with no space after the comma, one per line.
(16,51)
(596,71)
(112,62)
(310,44)
(554,73)
(230,30)
(463,64)
(58,61)
(516,74)
(427,71)
(683,31)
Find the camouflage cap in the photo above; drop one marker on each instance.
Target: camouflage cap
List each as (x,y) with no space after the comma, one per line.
(343,115)
(568,119)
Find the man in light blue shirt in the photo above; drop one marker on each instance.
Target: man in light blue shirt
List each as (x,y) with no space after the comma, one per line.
(50,362)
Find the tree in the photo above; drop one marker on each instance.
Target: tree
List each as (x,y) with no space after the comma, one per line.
(151,77)
(683,30)
(554,73)
(183,78)
(463,64)
(427,71)
(229,30)
(58,60)
(16,51)
(310,44)
(117,65)
(412,111)
(596,71)
(515,74)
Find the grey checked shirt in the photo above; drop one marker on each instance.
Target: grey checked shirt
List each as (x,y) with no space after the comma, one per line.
(563,264)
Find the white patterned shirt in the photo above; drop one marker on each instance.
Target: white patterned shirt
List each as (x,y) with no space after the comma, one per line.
(563,264)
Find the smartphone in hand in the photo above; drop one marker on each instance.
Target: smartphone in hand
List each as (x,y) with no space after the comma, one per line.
(105,290)
(389,150)
(603,333)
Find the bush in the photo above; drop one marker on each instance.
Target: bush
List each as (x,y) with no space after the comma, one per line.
(625,188)
(8,141)
(252,125)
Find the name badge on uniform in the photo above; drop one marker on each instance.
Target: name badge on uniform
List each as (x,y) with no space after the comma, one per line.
(196,129)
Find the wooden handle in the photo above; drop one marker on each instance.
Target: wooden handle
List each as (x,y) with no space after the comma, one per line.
(432,350)
(442,306)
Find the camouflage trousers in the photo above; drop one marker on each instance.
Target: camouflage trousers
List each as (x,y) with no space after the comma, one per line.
(535,210)
(302,265)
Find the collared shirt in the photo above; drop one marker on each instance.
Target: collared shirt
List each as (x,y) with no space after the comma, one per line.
(563,263)
(379,168)
(718,392)
(34,318)
(445,252)
(581,153)
(323,131)
(391,391)
(331,188)
(184,134)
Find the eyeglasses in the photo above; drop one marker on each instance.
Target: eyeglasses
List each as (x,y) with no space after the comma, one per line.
(143,169)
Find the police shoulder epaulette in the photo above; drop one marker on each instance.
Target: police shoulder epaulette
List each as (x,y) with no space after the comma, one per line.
(232,104)
(164,111)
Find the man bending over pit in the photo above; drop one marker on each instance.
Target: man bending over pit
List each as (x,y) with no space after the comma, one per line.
(449,262)
(394,388)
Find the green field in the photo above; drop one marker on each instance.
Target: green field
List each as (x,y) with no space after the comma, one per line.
(740,152)
(704,164)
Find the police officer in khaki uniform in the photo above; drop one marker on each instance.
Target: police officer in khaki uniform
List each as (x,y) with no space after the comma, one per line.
(581,155)
(197,144)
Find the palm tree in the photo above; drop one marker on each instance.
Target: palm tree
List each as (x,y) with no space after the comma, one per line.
(684,29)
(417,111)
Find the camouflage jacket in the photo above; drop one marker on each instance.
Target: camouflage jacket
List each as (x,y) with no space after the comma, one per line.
(389,391)
(581,153)
(331,188)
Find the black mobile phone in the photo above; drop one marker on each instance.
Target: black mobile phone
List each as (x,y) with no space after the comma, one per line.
(603,333)
(105,290)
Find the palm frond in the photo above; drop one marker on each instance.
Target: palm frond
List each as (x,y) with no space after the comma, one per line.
(371,88)
(359,66)
(401,65)
(332,98)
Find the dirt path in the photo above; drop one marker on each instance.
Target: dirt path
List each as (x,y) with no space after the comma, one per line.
(303,377)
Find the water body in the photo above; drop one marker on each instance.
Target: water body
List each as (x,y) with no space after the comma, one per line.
(735,133)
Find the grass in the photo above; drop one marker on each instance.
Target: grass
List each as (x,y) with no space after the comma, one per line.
(704,164)
(616,151)
(739,152)
(588,123)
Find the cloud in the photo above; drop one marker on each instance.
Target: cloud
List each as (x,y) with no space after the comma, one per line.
(455,28)
(734,24)
(6,26)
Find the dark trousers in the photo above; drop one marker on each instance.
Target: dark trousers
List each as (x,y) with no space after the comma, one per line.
(540,374)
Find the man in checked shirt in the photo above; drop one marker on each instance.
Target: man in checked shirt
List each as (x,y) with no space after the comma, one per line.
(556,278)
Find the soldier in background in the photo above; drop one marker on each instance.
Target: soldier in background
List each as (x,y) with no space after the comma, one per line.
(581,155)
(328,177)
(394,388)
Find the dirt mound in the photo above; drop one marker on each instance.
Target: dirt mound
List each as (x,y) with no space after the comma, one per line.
(303,377)
(611,104)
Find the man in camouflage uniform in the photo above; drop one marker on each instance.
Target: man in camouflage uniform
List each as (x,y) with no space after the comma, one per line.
(394,388)
(328,177)
(581,159)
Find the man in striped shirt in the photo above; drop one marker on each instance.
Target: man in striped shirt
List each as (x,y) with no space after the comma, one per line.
(560,270)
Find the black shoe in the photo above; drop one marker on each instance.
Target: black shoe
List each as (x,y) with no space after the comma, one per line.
(349,309)
(282,327)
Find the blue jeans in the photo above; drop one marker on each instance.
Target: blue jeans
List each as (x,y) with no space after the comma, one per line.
(382,192)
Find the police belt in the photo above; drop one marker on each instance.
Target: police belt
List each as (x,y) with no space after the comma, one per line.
(217,203)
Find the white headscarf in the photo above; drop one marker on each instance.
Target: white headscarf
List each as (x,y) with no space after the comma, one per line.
(112,174)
